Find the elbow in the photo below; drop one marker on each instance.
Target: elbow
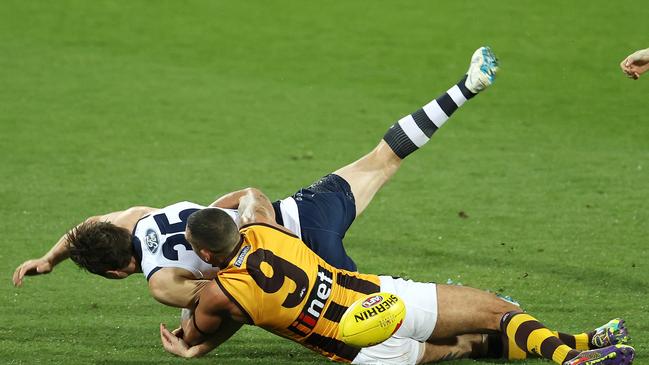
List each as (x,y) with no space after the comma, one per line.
(252,191)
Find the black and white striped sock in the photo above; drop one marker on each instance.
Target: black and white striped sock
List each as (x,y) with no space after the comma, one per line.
(414,130)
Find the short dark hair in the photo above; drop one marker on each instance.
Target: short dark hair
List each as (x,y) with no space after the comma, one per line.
(213,229)
(100,246)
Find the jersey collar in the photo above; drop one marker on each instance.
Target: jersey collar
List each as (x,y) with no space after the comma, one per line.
(137,249)
(137,244)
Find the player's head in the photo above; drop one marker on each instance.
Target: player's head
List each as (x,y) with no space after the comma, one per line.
(102,248)
(212,234)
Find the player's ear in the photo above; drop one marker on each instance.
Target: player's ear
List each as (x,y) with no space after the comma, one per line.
(206,255)
(116,274)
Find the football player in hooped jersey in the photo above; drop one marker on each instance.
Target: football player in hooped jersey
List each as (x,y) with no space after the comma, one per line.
(270,279)
(150,240)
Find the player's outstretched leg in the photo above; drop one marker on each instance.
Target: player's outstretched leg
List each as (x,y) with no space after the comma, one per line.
(368,174)
(612,333)
(532,336)
(464,310)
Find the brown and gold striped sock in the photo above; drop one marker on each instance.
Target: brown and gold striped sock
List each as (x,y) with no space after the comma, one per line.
(579,342)
(531,335)
(511,351)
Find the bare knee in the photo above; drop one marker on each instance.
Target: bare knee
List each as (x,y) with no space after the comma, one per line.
(498,307)
(368,174)
(468,310)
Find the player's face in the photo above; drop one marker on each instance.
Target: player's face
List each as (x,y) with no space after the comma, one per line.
(124,272)
(188,237)
(114,275)
(204,254)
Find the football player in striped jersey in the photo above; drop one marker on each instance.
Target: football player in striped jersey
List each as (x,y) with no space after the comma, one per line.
(269,278)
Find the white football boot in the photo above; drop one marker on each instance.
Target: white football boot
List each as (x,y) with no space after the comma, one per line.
(482,71)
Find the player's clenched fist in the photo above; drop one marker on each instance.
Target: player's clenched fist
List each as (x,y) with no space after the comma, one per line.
(636,63)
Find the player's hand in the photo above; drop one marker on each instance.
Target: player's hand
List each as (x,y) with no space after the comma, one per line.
(178,332)
(636,64)
(31,267)
(173,344)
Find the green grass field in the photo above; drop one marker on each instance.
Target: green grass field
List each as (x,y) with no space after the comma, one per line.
(110,104)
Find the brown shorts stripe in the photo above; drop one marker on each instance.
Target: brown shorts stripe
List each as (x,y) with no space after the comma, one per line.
(523,333)
(357,284)
(332,346)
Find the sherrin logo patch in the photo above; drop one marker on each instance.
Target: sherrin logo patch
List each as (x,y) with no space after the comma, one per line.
(376,308)
(372,301)
(371,319)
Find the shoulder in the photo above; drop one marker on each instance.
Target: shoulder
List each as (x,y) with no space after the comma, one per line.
(125,218)
(213,299)
(134,213)
(139,210)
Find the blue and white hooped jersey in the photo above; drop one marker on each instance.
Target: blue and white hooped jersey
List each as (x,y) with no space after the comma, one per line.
(159,241)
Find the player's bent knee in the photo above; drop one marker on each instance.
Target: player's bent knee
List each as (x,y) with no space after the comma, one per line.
(498,307)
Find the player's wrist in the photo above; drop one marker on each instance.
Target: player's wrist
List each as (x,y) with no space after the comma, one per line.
(49,260)
(192,352)
(643,55)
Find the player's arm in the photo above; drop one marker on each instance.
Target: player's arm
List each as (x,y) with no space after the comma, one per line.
(173,342)
(176,287)
(230,200)
(60,251)
(208,327)
(255,207)
(207,317)
(46,263)
(636,63)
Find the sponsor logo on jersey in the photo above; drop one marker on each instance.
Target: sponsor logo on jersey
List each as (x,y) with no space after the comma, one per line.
(239,261)
(152,241)
(315,303)
(371,301)
(376,308)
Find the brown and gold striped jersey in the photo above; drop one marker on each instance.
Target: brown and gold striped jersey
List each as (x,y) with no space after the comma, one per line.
(285,288)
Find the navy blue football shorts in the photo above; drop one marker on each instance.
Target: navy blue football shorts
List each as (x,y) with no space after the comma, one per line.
(320,215)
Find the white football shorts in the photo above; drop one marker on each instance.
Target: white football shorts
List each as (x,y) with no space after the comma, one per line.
(407,345)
